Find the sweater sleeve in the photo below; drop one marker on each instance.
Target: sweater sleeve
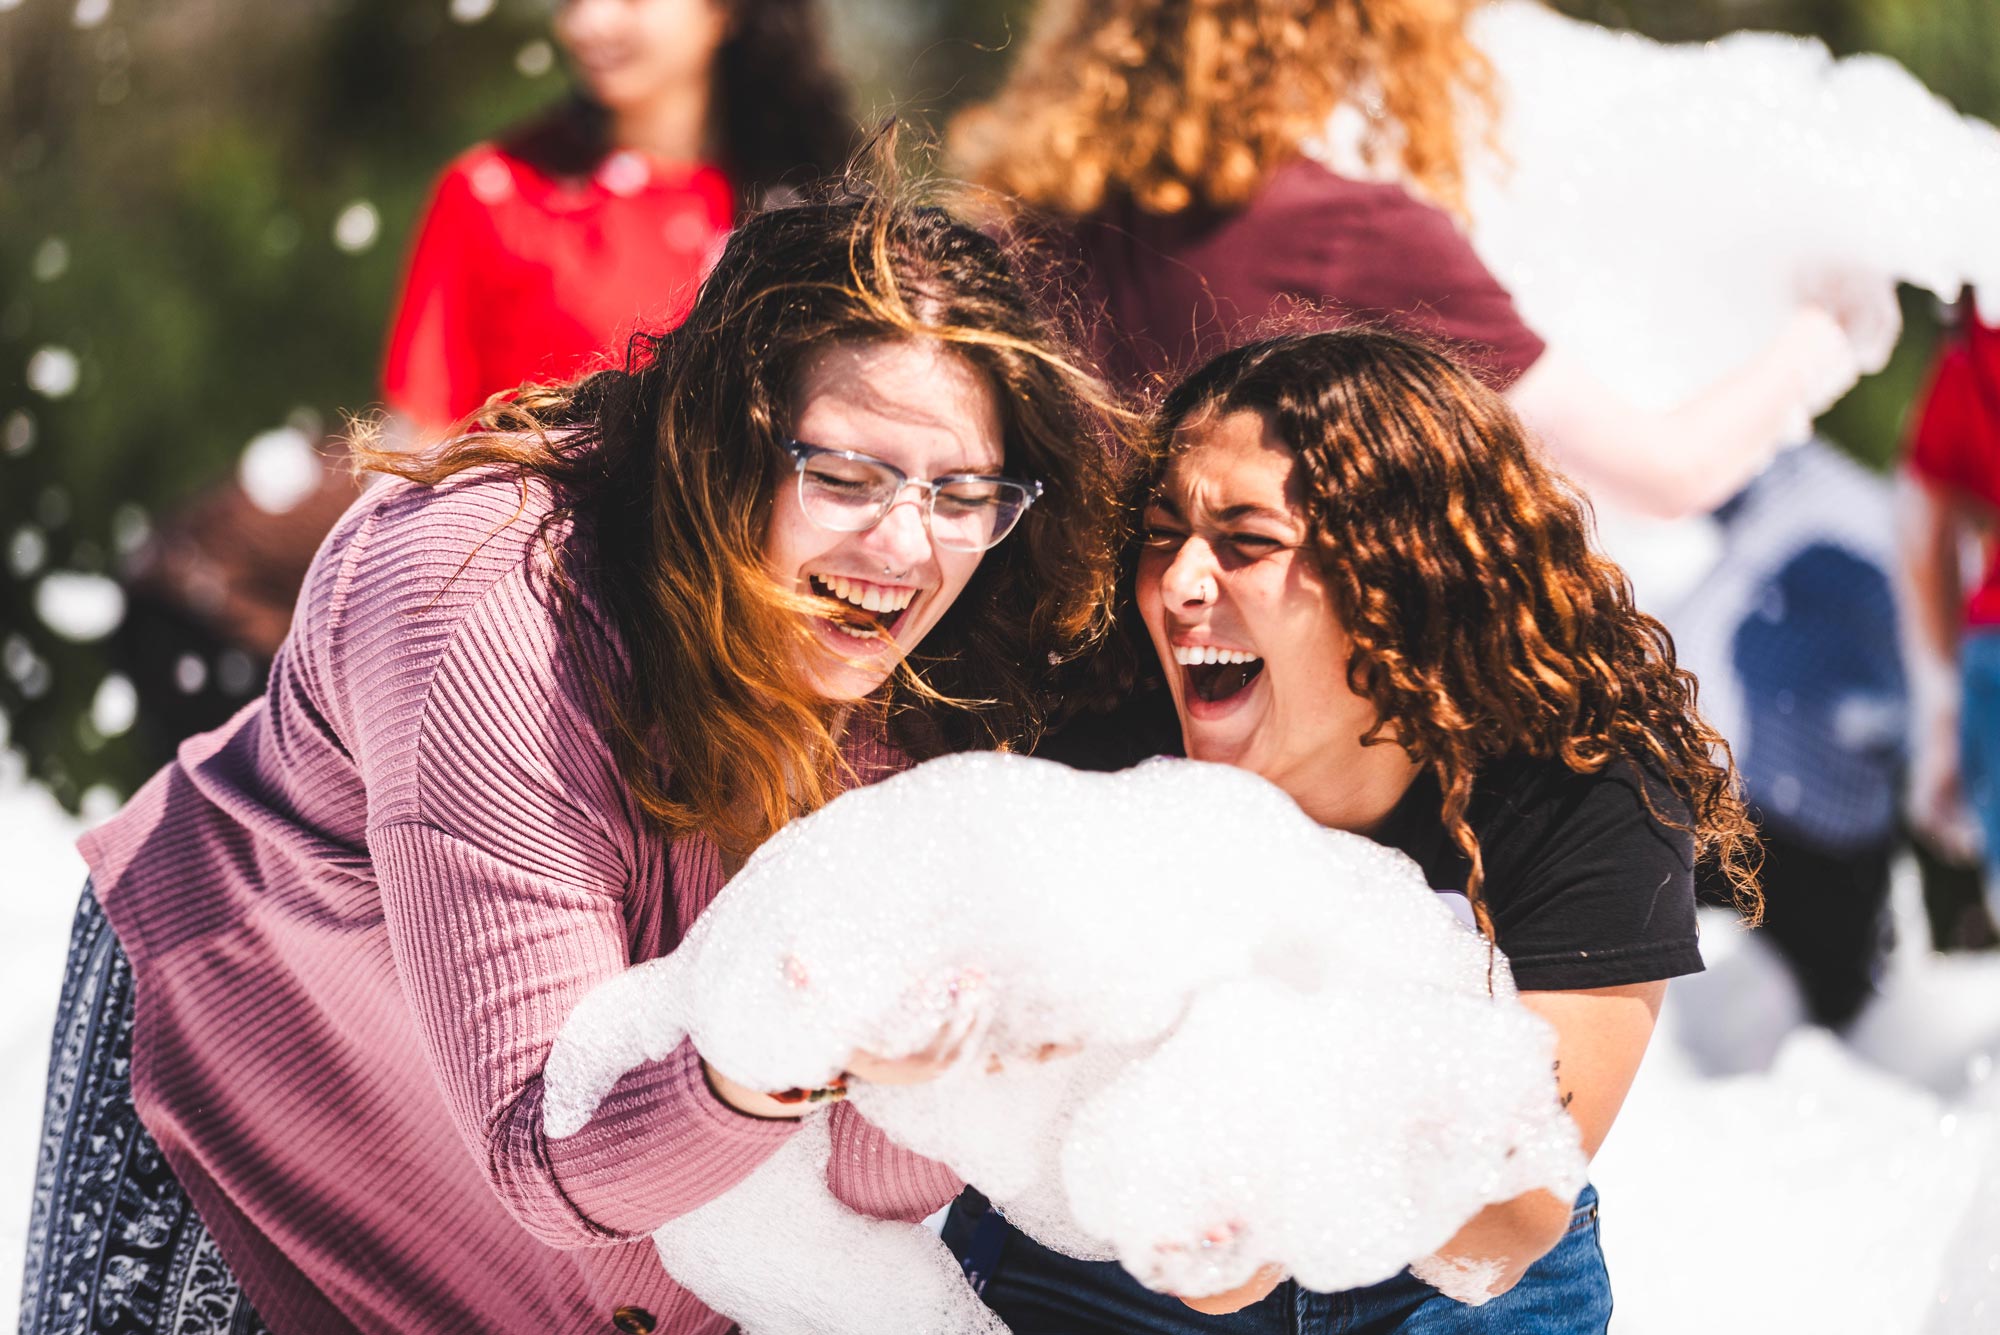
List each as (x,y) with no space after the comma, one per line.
(493,957)
(516,875)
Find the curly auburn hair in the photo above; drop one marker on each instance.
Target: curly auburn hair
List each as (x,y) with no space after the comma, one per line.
(668,469)
(1482,622)
(1174,103)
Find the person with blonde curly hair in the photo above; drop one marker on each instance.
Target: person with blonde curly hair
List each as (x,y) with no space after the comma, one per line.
(1358,579)
(1171,151)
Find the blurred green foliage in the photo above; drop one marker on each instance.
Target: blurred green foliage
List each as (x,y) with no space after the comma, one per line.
(171,176)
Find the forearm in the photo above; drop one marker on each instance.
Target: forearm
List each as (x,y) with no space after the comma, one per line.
(660,1145)
(1693,457)
(1929,567)
(1601,1036)
(1493,1251)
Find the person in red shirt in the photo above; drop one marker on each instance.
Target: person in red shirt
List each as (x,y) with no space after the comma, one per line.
(1952,479)
(540,254)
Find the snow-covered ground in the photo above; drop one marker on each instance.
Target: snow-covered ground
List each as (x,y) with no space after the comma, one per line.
(1843,1188)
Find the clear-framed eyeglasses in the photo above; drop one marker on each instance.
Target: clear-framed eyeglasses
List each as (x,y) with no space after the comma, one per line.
(849,492)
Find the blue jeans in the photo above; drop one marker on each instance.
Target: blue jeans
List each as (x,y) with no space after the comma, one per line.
(1979,745)
(1040,1292)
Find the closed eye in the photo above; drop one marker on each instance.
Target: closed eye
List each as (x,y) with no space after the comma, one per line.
(1246,547)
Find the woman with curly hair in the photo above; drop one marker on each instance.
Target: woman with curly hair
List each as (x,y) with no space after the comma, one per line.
(1171,149)
(544,691)
(1360,581)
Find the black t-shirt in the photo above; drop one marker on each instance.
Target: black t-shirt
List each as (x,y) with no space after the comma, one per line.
(1586,886)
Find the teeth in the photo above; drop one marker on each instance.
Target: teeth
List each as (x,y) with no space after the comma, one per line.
(867,597)
(1197,656)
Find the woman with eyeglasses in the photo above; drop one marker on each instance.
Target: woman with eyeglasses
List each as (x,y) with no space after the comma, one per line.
(543,694)
(1357,578)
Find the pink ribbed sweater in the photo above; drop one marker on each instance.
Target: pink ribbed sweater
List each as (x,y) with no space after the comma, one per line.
(360,912)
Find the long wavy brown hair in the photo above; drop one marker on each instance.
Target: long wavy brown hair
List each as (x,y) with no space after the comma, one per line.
(668,468)
(1174,103)
(1483,622)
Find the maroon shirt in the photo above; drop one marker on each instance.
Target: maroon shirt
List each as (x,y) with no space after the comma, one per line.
(1161,294)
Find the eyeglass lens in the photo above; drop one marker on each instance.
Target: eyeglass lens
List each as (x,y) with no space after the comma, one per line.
(966,514)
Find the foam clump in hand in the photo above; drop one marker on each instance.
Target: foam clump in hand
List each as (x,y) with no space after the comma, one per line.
(1659,211)
(1276,1044)
(1712,186)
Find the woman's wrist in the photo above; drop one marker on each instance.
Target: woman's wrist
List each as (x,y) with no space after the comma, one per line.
(750,1102)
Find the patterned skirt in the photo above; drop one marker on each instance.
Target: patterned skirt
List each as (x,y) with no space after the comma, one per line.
(114,1245)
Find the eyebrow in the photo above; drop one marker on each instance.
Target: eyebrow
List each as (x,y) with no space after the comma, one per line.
(1229,514)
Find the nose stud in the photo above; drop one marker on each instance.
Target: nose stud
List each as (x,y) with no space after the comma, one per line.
(1204,590)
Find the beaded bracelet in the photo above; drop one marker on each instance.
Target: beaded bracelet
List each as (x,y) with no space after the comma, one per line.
(831,1092)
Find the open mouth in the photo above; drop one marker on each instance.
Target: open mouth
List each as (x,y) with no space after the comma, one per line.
(1215,674)
(862,610)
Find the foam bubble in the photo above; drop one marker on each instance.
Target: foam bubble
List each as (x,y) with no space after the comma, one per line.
(357,227)
(54,372)
(278,469)
(79,607)
(1258,1017)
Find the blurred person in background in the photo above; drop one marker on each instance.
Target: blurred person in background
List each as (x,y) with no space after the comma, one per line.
(1792,632)
(540,254)
(1951,495)
(1165,150)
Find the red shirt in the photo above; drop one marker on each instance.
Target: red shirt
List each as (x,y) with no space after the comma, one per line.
(519,275)
(1957,441)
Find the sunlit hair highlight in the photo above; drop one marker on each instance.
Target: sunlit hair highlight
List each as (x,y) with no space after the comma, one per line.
(668,469)
(1179,103)
(1482,621)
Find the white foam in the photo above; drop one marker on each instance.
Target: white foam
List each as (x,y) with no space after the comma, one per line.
(1267,1018)
(1658,210)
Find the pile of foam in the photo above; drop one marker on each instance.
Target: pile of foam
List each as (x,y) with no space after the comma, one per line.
(1281,1045)
(1658,211)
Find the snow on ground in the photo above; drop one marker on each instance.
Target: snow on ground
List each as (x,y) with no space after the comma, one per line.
(1763,1176)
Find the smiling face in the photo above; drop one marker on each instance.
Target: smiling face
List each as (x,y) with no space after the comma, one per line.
(629,52)
(1254,653)
(928,412)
